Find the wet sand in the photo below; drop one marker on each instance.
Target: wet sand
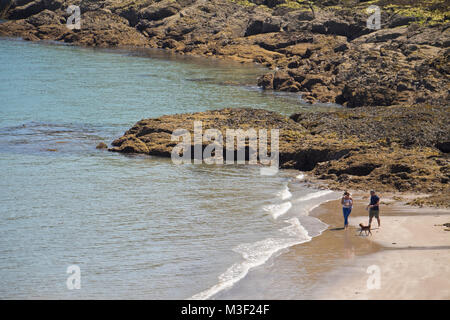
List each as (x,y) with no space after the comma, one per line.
(334,264)
(299,272)
(410,252)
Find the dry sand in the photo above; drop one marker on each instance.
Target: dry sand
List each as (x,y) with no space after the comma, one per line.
(412,260)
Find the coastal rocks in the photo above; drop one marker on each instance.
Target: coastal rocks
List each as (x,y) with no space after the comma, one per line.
(444,146)
(394,148)
(266,81)
(383,35)
(45,17)
(160,10)
(407,126)
(403,63)
(5,6)
(103,29)
(263,24)
(400,20)
(371,168)
(99,29)
(357,96)
(130,144)
(153,136)
(281,79)
(283,42)
(360,169)
(45,20)
(306,156)
(102,145)
(360,150)
(351,24)
(30,8)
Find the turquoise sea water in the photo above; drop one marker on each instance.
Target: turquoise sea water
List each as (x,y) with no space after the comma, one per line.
(137,226)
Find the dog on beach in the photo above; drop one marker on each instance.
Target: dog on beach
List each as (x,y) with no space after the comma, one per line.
(366,229)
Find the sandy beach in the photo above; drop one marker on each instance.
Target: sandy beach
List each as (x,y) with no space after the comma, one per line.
(409,258)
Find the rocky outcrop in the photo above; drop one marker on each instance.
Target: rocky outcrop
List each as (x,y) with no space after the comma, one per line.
(398,147)
(99,28)
(395,78)
(102,145)
(386,149)
(381,69)
(153,136)
(406,126)
(25,9)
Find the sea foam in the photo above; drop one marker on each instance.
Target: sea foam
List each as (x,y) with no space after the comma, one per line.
(256,254)
(285,193)
(301,176)
(277,210)
(313,195)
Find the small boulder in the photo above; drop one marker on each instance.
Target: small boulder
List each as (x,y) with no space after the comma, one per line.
(102,145)
(266,81)
(443,146)
(260,25)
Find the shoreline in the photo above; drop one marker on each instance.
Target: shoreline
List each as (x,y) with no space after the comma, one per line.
(311,52)
(411,251)
(353,252)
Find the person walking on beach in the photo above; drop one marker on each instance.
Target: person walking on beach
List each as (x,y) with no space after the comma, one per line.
(374,208)
(347,205)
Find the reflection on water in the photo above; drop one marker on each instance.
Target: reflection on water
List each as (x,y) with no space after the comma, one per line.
(138,226)
(349,248)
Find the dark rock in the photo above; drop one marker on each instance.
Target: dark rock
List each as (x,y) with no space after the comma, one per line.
(262,25)
(341,48)
(160,10)
(401,21)
(33,7)
(443,146)
(396,168)
(45,17)
(102,145)
(266,81)
(280,77)
(363,169)
(359,67)
(345,149)
(273,3)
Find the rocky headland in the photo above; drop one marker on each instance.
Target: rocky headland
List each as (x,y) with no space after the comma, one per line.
(393,132)
(321,49)
(356,149)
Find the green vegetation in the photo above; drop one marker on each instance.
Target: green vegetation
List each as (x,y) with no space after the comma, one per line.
(299,4)
(423,11)
(245,3)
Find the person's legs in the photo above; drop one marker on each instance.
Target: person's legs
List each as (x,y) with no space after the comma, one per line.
(345,217)
(377,215)
(346,212)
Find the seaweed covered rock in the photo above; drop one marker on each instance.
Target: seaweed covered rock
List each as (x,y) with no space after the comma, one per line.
(297,149)
(405,62)
(381,148)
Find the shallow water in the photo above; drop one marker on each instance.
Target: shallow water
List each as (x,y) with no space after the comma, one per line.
(137,226)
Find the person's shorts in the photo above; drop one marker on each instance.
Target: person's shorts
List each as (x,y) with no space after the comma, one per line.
(374,213)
